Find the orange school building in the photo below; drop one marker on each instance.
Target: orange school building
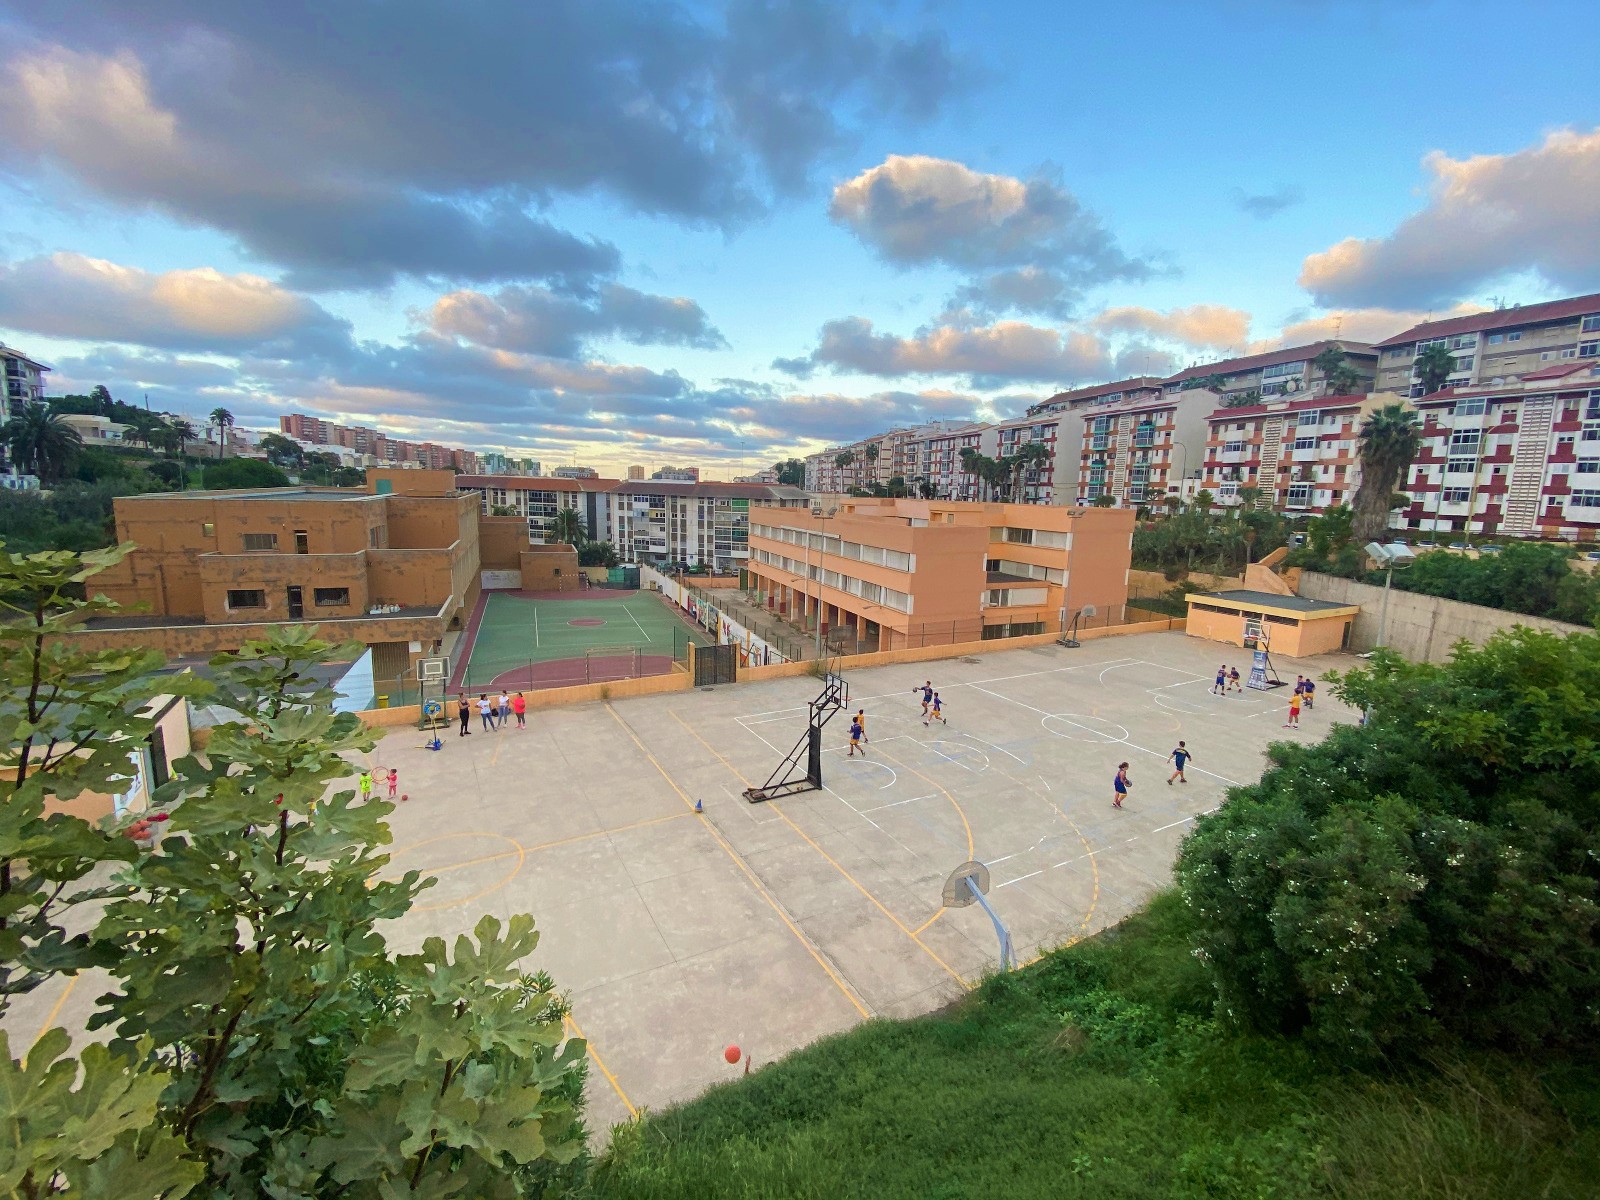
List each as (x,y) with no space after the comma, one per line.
(1296,627)
(902,572)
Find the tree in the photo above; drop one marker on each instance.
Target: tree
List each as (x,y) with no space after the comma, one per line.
(597,554)
(1329,533)
(243,473)
(282,452)
(105,406)
(223,420)
(872,452)
(1204,500)
(1030,456)
(41,441)
(144,427)
(1433,366)
(1248,495)
(1390,437)
(1211,383)
(1430,875)
(263,1039)
(1103,500)
(791,472)
(566,527)
(844,460)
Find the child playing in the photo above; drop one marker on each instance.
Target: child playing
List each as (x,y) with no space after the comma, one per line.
(1178,758)
(861,720)
(855,738)
(936,711)
(1233,681)
(1120,785)
(1220,687)
(519,705)
(366,785)
(927,697)
(1294,712)
(394,783)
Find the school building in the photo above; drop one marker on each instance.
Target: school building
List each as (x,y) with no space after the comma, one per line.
(902,572)
(392,566)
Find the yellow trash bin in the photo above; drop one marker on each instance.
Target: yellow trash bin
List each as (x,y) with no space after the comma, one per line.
(383,702)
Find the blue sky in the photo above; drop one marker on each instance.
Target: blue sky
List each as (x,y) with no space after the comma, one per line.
(648,232)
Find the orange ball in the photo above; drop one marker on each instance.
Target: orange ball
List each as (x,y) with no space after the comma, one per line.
(733,1054)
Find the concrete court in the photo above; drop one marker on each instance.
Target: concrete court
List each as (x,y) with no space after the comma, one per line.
(772,925)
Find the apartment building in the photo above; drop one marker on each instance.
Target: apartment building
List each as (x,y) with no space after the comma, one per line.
(1302,455)
(943,474)
(1140,450)
(1518,458)
(1039,482)
(660,523)
(636,473)
(24,385)
(494,463)
(1140,387)
(391,566)
(1496,347)
(575,473)
(1276,373)
(678,474)
(374,446)
(907,572)
(538,500)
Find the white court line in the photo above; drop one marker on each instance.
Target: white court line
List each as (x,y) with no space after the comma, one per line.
(1132,745)
(536,625)
(898,803)
(1067,862)
(635,621)
(948,686)
(948,759)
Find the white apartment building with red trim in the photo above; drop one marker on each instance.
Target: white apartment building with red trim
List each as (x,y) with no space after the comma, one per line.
(1301,455)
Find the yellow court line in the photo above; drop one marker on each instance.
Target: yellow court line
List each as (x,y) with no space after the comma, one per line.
(55,1011)
(937,914)
(859,886)
(739,862)
(960,812)
(601,1063)
(521,849)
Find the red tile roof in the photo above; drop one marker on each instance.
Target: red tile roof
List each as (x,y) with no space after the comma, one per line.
(1255,362)
(531,483)
(1315,405)
(1101,389)
(1500,318)
(1562,370)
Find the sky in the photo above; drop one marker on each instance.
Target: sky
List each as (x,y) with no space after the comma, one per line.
(613,232)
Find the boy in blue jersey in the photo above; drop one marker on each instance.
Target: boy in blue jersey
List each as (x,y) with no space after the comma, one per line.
(936,710)
(1179,758)
(855,738)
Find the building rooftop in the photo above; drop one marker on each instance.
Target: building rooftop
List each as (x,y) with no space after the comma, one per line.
(1084,394)
(10,352)
(1308,404)
(1499,318)
(1255,362)
(1247,598)
(996,578)
(278,494)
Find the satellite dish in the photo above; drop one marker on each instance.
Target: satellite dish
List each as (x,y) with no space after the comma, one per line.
(1088,610)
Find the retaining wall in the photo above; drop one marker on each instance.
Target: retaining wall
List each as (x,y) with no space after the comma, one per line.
(583,693)
(1421,628)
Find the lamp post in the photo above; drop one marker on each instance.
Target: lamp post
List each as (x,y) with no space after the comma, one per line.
(1176,444)
(1393,557)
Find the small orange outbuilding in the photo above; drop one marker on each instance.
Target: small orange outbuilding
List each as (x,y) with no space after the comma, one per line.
(1295,626)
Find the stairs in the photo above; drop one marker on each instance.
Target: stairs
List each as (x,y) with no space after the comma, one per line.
(1271,453)
(1119,459)
(1528,461)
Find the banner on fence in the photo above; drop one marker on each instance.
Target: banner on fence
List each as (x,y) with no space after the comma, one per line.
(753,651)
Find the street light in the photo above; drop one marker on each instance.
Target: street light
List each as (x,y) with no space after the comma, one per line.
(1391,558)
(818,513)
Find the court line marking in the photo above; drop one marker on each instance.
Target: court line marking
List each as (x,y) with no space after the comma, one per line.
(55,1011)
(834,863)
(536,625)
(896,804)
(738,861)
(635,621)
(1132,745)
(594,1054)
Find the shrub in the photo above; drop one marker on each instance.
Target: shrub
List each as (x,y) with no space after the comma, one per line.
(243,473)
(1432,873)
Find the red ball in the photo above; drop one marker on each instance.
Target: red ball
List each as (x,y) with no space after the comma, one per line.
(404,798)
(733,1054)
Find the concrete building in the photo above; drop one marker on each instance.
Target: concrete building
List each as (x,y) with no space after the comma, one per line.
(1276,373)
(575,473)
(1140,387)
(1140,449)
(1520,458)
(678,474)
(495,463)
(915,572)
(96,431)
(1301,455)
(943,473)
(635,474)
(662,524)
(24,385)
(1296,627)
(392,566)
(538,500)
(1496,347)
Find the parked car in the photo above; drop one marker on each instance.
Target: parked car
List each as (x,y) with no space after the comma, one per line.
(1491,548)
(1427,545)
(1459,546)
(1593,556)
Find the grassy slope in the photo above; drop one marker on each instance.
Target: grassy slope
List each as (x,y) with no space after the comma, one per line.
(1098,1073)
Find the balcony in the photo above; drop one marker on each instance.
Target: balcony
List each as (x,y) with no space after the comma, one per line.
(1100,441)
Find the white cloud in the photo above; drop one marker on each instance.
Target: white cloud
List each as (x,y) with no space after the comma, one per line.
(1029,245)
(1199,325)
(1488,217)
(74,296)
(536,320)
(1005,350)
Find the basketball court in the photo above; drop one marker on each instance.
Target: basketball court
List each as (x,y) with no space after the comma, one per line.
(769,925)
(517,641)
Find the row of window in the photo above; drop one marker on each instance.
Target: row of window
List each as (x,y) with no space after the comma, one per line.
(257,597)
(878,556)
(873,593)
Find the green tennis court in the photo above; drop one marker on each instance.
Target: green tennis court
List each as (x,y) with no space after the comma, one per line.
(520,641)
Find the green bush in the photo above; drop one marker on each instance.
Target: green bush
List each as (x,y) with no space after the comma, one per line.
(243,473)
(1432,874)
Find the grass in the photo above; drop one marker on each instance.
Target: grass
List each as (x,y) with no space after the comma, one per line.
(1100,1072)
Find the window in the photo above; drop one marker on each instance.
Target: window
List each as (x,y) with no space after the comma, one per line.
(1464,364)
(1278,370)
(1456,495)
(260,541)
(1468,408)
(1584,499)
(1233,447)
(1496,338)
(207,529)
(1310,418)
(331,597)
(1460,466)
(247,597)
(1514,336)
(1299,495)
(1590,324)
(1305,443)
(1588,349)
(1465,441)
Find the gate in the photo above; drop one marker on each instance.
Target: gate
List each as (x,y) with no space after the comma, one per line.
(715,664)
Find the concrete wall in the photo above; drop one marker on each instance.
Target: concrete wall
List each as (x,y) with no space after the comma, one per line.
(501,541)
(1421,628)
(540,698)
(550,568)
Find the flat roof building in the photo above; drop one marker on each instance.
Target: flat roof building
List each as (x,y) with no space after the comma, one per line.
(1500,346)
(1295,626)
(905,572)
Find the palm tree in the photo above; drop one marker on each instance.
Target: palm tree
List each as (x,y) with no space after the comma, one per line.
(1433,365)
(1248,495)
(1390,438)
(969,463)
(1339,378)
(223,420)
(872,453)
(1028,457)
(844,460)
(566,526)
(42,440)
